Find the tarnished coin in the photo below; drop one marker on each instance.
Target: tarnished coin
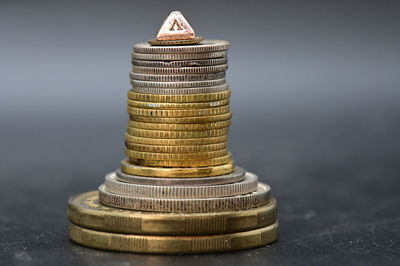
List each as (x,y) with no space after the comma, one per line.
(140,155)
(85,210)
(178,113)
(176,142)
(224,94)
(177,106)
(186,163)
(179,127)
(233,203)
(235,176)
(177,78)
(164,134)
(181,91)
(173,244)
(203,47)
(181,120)
(174,84)
(178,172)
(175,149)
(248,185)
(179,70)
(178,56)
(183,63)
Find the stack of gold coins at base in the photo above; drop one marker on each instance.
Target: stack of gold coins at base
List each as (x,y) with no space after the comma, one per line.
(178,191)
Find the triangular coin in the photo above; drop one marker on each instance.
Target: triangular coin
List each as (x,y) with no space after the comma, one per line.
(175,27)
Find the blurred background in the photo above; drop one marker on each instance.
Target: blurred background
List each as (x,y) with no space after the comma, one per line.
(316,104)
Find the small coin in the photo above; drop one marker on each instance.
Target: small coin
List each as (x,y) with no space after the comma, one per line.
(233,203)
(248,185)
(140,155)
(178,56)
(203,47)
(181,172)
(173,244)
(177,106)
(180,91)
(175,149)
(176,142)
(183,63)
(164,134)
(181,120)
(194,40)
(177,78)
(224,94)
(236,176)
(186,163)
(85,210)
(179,127)
(178,113)
(179,70)
(176,85)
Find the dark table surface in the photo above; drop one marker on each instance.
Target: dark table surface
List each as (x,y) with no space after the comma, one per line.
(337,190)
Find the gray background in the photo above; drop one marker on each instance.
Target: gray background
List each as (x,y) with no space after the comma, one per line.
(316,115)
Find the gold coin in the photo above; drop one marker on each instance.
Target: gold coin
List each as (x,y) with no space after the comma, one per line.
(179,127)
(180,98)
(178,113)
(177,106)
(181,120)
(164,134)
(175,149)
(85,210)
(173,244)
(182,172)
(178,142)
(179,70)
(187,163)
(140,155)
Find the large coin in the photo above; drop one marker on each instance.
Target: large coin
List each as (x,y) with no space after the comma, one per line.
(203,47)
(180,91)
(177,106)
(223,93)
(175,149)
(182,63)
(177,172)
(178,113)
(173,244)
(179,127)
(180,56)
(178,142)
(177,78)
(181,120)
(248,185)
(179,70)
(140,155)
(235,176)
(233,203)
(173,84)
(86,211)
(164,134)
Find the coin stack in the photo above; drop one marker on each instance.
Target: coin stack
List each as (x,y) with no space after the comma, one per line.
(178,191)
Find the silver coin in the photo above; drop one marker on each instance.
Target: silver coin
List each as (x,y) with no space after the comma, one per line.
(203,47)
(233,203)
(182,63)
(236,176)
(181,91)
(179,56)
(248,185)
(174,85)
(179,70)
(177,78)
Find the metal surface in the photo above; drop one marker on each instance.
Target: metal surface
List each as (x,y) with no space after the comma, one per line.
(178,127)
(182,63)
(177,78)
(205,46)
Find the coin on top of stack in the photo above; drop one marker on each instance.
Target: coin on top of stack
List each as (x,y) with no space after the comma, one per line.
(178,190)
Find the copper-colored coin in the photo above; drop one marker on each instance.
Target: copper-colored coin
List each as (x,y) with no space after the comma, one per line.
(158,156)
(179,127)
(174,148)
(178,112)
(181,120)
(181,98)
(173,134)
(176,142)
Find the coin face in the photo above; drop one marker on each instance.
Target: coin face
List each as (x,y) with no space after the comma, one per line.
(247,185)
(204,47)
(173,244)
(234,203)
(236,176)
(181,63)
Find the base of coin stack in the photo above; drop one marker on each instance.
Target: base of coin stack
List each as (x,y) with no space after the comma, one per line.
(178,190)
